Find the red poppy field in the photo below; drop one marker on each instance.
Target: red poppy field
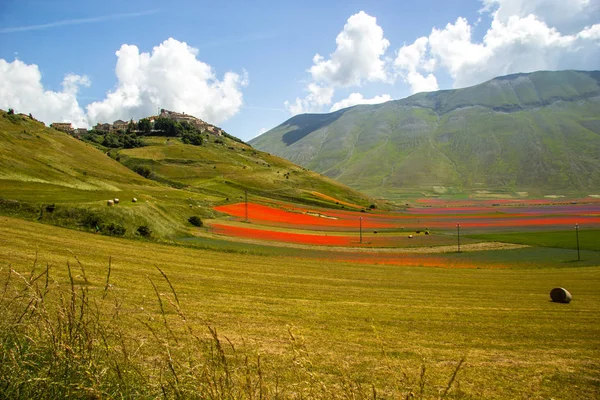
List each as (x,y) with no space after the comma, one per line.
(479,218)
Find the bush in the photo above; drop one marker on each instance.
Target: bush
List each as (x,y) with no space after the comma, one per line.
(91,220)
(142,170)
(195,220)
(191,138)
(113,229)
(144,231)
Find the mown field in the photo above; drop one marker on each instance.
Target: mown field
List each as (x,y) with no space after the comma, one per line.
(287,327)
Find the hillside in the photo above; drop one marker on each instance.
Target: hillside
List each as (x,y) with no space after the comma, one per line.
(537,133)
(50,176)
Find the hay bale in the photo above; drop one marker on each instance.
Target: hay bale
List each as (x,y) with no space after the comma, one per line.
(134,200)
(116,201)
(410,236)
(110,203)
(560,295)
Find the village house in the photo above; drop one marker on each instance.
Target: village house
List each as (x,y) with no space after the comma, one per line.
(80,131)
(103,127)
(62,126)
(120,125)
(196,122)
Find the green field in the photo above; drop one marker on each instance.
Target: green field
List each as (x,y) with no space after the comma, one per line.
(355,329)
(589,239)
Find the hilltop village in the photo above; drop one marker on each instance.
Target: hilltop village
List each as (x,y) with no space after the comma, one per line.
(120,126)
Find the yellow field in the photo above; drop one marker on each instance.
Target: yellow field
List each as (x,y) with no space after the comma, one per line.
(356,328)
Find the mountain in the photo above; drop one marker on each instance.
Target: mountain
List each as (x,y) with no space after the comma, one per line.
(536,133)
(48,175)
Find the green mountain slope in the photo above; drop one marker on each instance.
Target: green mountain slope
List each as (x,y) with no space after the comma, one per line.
(52,177)
(537,132)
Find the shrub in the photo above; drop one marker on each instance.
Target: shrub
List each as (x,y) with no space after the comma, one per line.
(144,231)
(91,220)
(113,229)
(142,170)
(195,220)
(192,138)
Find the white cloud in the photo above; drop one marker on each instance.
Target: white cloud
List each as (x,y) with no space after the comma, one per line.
(421,83)
(260,132)
(357,98)
(21,89)
(567,16)
(517,40)
(522,44)
(358,58)
(317,98)
(170,77)
(412,58)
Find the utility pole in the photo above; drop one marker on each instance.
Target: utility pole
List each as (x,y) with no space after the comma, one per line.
(577,236)
(458,236)
(360,222)
(246,197)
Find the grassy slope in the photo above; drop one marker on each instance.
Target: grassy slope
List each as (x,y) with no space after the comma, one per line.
(367,323)
(227,169)
(531,132)
(41,166)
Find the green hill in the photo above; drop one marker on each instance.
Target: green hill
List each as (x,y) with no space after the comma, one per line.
(53,177)
(536,133)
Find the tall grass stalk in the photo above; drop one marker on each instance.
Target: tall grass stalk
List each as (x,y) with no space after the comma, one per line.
(67,339)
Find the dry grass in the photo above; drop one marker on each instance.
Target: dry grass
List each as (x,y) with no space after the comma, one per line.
(288,328)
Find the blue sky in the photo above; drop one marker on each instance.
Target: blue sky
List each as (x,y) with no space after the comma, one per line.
(249,66)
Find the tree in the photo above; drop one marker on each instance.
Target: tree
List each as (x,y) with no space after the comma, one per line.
(144,125)
(11,111)
(131,127)
(192,138)
(111,140)
(167,126)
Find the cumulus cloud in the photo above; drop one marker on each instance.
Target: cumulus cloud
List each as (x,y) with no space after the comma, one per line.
(358,58)
(357,98)
(21,89)
(411,60)
(567,16)
(516,41)
(318,96)
(170,77)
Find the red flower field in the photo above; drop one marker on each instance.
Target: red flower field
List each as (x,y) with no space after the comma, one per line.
(444,218)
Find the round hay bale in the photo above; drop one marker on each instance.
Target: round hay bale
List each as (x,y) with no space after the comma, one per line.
(560,295)
(110,203)
(134,200)
(116,201)
(410,236)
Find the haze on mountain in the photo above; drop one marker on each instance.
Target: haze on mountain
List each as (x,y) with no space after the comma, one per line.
(537,133)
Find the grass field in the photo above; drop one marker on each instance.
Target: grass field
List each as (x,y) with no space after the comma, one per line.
(356,329)
(589,239)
